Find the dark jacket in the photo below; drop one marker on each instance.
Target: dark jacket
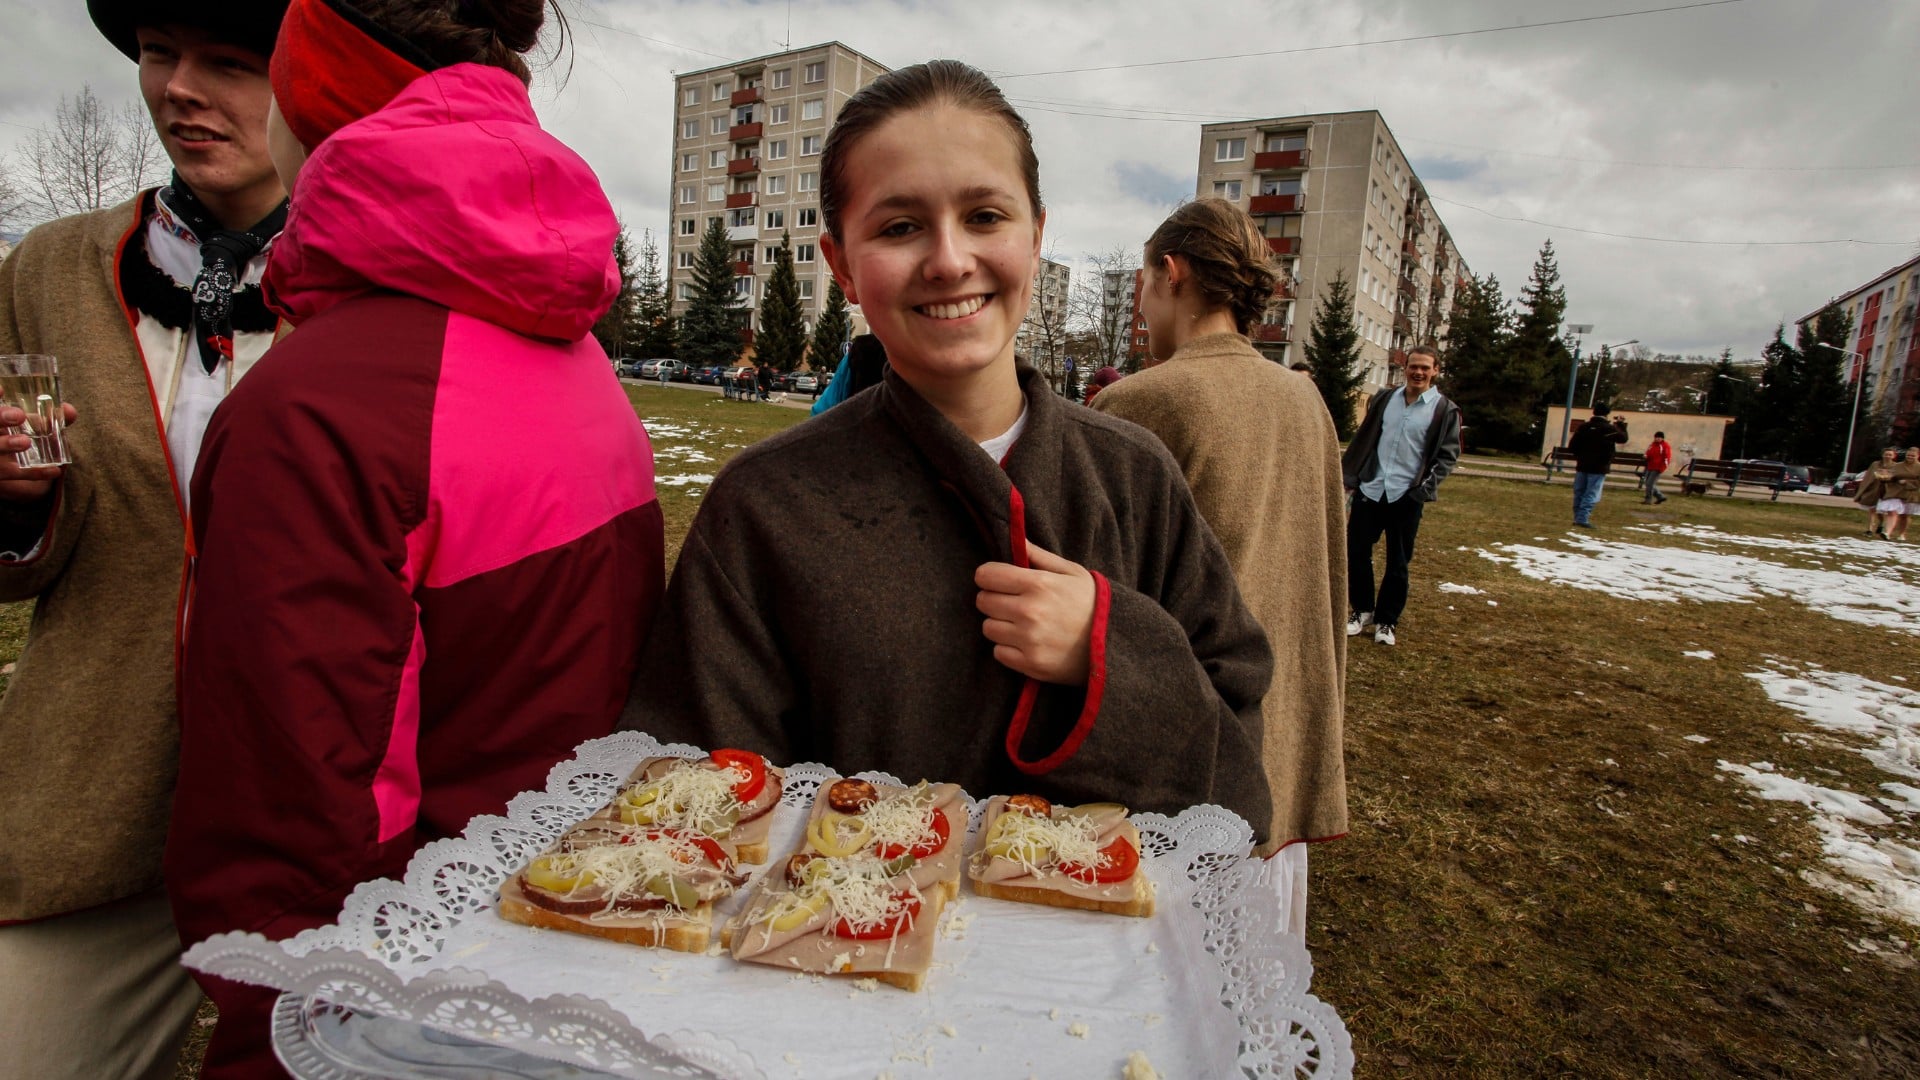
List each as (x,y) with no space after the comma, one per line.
(1362,460)
(823,610)
(1593,445)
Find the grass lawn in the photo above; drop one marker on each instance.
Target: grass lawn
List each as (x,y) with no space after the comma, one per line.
(1544,874)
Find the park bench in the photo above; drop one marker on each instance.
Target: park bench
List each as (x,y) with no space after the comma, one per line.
(1706,471)
(1562,458)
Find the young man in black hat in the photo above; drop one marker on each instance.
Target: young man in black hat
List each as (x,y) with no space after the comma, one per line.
(153,310)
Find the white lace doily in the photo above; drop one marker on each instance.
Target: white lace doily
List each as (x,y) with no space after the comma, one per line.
(428,950)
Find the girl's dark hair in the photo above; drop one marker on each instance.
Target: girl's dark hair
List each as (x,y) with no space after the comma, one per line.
(936,82)
(493,32)
(1232,266)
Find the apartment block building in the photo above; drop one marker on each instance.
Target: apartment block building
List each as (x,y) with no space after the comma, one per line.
(1335,195)
(1042,337)
(1886,341)
(746,150)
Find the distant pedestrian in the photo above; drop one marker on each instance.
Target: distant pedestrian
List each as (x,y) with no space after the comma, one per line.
(765,379)
(1408,442)
(1880,493)
(1592,448)
(1102,379)
(1909,476)
(864,365)
(1659,456)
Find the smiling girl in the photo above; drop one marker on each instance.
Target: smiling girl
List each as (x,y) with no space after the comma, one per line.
(957,574)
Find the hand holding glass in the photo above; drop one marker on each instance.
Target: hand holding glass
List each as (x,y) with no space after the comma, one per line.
(31,384)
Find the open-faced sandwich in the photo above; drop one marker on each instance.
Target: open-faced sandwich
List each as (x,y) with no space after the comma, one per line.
(926,821)
(728,795)
(640,884)
(1065,856)
(856,915)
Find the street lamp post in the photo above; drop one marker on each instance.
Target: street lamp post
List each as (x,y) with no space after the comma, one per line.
(1853,417)
(1573,374)
(1601,365)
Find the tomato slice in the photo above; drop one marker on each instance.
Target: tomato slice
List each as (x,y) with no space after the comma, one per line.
(924,849)
(715,854)
(902,915)
(748,762)
(1117,862)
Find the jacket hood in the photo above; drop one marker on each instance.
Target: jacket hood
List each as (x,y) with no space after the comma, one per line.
(451,193)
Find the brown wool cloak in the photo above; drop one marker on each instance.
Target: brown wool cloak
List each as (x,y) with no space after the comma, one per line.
(1260,454)
(823,610)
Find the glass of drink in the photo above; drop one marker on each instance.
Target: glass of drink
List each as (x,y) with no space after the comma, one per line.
(31,383)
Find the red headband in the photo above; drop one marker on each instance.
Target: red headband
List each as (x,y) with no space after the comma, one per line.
(332,66)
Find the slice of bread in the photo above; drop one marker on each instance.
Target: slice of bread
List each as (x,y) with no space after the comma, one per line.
(1140,904)
(925,926)
(688,932)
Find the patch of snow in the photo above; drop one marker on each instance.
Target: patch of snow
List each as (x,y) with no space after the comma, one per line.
(1886,716)
(683,479)
(1696,738)
(1699,654)
(1880,875)
(1448,586)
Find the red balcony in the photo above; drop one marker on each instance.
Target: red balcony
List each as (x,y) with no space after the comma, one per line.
(1408,247)
(740,201)
(744,132)
(745,166)
(1403,322)
(744,97)
(1284,245)
(1276,160)
(743,268)
(1270,332)
(1276,204)
(1283,289)
(1397,357)
(1407,286)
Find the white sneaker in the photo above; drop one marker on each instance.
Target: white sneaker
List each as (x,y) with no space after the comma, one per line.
(1357,623)
(1383,635)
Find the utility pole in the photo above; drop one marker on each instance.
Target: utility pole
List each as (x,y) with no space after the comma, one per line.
(1853,417)
(1573,374)
(1600,365)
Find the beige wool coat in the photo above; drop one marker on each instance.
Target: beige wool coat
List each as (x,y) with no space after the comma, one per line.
(1259,451)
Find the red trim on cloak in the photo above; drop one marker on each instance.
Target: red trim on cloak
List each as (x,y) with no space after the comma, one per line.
(1096,662)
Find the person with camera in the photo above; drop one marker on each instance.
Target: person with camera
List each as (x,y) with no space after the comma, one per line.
(1592,448)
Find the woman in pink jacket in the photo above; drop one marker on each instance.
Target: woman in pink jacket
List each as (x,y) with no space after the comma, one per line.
(427,544)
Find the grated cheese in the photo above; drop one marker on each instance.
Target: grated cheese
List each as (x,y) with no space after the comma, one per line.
(1079,1031)
(624,868)
(1138,1067)
(903,818)
(1036,844)
(692,794)
(866,986)
(857,889)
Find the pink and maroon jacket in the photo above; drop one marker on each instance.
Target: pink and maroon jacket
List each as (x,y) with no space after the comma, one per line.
(428,544)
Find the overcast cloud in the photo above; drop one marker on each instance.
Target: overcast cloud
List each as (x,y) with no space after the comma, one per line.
(1576,125)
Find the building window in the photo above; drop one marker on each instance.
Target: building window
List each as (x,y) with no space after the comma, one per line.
(689,162)
(686,260)
(816,72)
(716,192)
(686,194)
(780,79)
(776,149)
(803,253)
(719,90)
(806,218)
(813,110)
(1280,187)
(686,226)
(717,159)
(743,286)
(719,125)
(740,217)
(776,219)
(690,129)
(1230,150)
(809,145)
(809,181)
(779,114)
(743,115)
(776,185)
(691,97)
(769,253)
(806,288)
(686,291)
(1227,189)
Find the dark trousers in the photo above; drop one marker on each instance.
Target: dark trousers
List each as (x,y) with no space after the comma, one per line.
(1399,522)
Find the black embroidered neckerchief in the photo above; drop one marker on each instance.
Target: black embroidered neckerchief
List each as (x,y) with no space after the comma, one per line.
(213,305)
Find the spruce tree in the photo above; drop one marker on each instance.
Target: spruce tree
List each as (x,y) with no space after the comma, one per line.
(1826,392)
(1730,392)
(1475,369)
(783,329)
(1776,401)
(616,328)
(653,310)
(1537,358)
(831,331)
(1333,354)
(710,329)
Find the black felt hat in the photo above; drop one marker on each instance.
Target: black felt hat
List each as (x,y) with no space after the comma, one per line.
(251,24)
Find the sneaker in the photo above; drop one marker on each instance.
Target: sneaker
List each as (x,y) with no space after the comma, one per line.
(1383,635)
(1357,623)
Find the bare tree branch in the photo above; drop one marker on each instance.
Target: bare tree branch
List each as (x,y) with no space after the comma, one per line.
(92,156)
(13,198)
(1102,306)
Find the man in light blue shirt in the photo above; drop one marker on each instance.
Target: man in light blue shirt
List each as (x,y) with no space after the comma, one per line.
(1407,443)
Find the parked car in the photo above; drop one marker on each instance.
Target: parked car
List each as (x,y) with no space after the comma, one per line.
(804,383)
(1795,478)
(1848,485)
(709,375)
(651,369)
(628,367)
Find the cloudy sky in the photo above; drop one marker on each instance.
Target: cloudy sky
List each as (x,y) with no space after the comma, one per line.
(1739,122)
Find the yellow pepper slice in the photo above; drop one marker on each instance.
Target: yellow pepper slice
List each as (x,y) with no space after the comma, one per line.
(1020,849)
(798,910)
(543,873)
(830,836)
(638,805)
